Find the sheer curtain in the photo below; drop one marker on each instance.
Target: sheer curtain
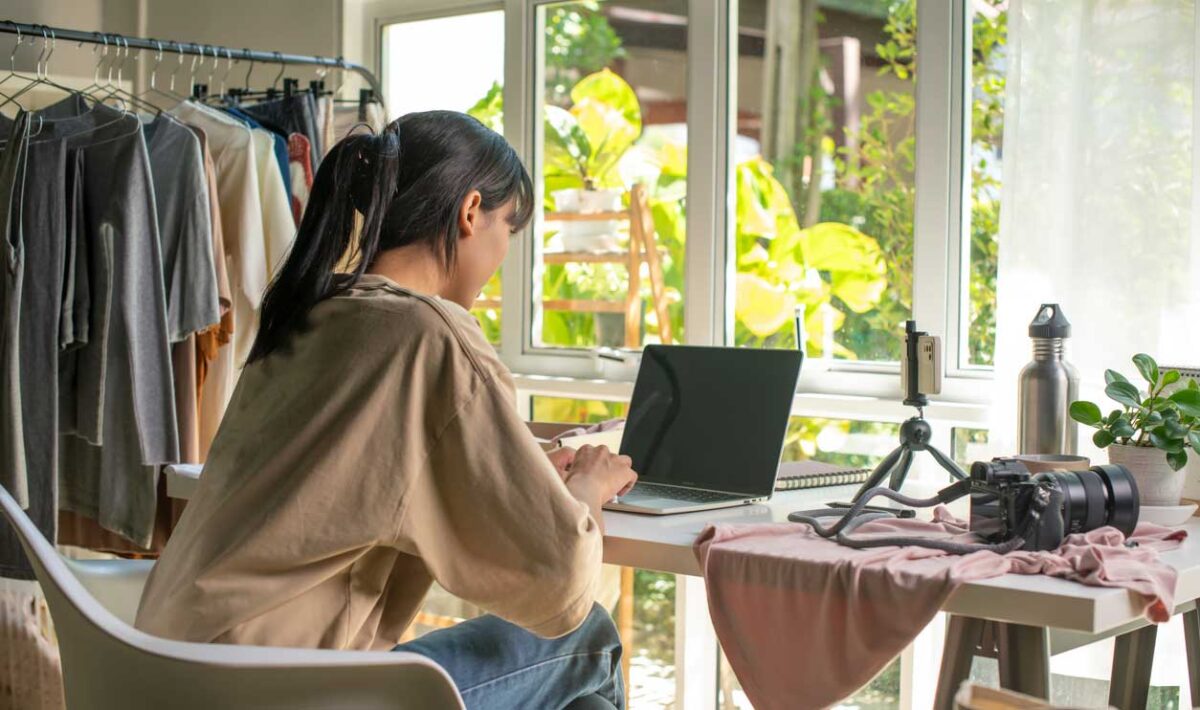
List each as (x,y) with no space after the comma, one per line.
(1099,203)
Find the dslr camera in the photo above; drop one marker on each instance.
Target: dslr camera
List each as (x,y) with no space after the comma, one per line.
(1008,501)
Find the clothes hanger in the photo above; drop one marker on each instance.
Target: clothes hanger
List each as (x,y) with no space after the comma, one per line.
(118,91)
(41,70)
(152,91)
(95,86)
(12,60)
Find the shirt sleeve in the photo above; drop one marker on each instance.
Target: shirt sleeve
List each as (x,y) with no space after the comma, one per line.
(495,524)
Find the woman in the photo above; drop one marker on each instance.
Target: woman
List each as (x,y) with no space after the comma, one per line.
(372,445)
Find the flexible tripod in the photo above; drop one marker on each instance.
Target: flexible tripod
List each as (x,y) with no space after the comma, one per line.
(914,433)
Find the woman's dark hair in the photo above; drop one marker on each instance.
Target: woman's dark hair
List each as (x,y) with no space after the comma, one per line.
(407,184)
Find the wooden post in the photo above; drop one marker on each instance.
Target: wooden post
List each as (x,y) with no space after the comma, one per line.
(641,222)
(633,298)
(625,625)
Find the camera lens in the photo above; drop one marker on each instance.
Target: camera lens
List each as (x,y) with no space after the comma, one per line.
(1099,496)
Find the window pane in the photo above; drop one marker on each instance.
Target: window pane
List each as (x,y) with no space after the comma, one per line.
(989,32)
(824,165)
(582,411)
(839,441)
(969,446)
(451,79)
(608,252)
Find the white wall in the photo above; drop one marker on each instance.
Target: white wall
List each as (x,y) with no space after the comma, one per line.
(291,26)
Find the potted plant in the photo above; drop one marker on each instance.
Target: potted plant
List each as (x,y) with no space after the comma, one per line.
(1151,433)
(583,146)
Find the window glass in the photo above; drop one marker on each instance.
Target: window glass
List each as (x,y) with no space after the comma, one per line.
(608,252)
(824,176)
(451,79)
(989,34)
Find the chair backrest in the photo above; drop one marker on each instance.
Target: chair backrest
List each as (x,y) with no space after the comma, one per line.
(109,664)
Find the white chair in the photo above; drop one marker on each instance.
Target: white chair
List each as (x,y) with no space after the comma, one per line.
(107,664)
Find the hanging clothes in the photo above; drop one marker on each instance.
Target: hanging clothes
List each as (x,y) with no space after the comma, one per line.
(36,330)
(293,114)
(233,150)
(13,473)
(280,143)
(325,124)
(214,349)
(189,276)
(302,174)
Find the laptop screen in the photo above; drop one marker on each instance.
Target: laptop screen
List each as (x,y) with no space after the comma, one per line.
(708,417)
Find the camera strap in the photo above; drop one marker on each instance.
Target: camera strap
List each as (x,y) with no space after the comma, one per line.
(1047,499)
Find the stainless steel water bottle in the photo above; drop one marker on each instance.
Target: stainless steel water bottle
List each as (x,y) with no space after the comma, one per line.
(1046,388)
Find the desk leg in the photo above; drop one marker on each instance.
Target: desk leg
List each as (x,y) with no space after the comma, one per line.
(1191,632)
(1024,659)
(1132,659)
(962,638)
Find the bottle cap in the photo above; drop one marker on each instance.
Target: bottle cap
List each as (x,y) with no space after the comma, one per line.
(1050,323)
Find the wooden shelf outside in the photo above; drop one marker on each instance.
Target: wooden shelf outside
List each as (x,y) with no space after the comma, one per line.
(642,247)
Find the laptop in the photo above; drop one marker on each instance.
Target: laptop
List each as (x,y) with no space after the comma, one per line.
(706,426)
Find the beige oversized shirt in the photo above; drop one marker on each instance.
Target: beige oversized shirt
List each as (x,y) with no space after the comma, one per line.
(380,451)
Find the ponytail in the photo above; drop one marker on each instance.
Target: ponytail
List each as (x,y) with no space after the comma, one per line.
(356,177)
(446,155)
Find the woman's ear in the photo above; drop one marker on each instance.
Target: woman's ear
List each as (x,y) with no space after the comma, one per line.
(469,214)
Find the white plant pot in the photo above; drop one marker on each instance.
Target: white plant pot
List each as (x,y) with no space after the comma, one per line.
(1157,484)
(588,236)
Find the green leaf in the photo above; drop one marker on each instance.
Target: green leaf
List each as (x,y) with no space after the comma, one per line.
(567,146)
(1125,393)
(1163,441)
(1085,413)
(1177,459)
(1194,440)
(1111,376)
(1102,438)
(609,88)
(490,109)
(1113,416)
(1153,419)
(1174,429)
(1188,401)
(1194,384)
(1170,377)
(1148,368)
(1122,428)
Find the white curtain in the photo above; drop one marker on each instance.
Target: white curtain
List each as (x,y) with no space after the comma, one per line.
(1100,188)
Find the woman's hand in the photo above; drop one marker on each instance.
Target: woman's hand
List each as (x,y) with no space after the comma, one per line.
(562,458)
(601,473)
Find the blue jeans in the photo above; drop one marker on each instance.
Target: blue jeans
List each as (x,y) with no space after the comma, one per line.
(496,664)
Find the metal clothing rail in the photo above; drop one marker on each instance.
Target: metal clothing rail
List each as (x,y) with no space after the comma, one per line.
(53,34)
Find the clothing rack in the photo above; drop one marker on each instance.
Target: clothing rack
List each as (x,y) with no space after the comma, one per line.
(52,34)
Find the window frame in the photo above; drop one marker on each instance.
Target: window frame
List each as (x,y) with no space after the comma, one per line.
(941,269)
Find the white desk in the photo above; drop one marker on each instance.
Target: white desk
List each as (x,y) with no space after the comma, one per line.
(1026,606)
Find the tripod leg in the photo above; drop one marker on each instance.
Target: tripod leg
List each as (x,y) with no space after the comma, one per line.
(885,466)
(900,472)
(945,462)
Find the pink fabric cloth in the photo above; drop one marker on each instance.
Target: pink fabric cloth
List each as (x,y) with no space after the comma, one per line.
(805,622)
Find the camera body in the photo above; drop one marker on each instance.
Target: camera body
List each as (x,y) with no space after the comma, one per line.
(1008,501)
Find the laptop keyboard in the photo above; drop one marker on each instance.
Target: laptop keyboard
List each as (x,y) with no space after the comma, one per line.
(688,494)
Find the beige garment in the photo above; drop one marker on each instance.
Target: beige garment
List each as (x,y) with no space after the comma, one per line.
(346,118)
(325,120)
(233,152)
(214,355)
(381,451)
